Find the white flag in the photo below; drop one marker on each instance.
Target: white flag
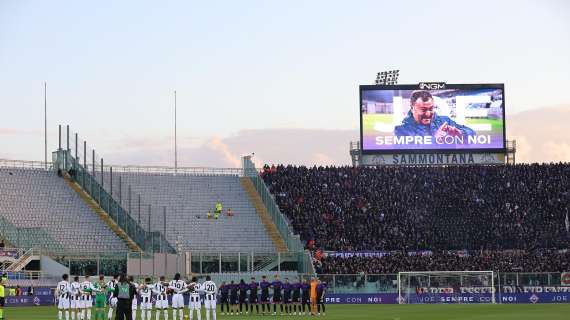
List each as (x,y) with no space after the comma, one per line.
(567,222)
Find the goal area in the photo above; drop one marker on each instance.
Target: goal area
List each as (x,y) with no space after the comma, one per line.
(446,287)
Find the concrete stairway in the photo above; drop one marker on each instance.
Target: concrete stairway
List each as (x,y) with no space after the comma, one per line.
(23,261)
(104,216)
(261,211)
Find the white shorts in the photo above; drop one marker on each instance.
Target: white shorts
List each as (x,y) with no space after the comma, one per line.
(113,302)
(86,304)
(146,305)
(134,305)
(210,302)
(63,303)
(194,303)
(75,303)
(177,301)
(161,304)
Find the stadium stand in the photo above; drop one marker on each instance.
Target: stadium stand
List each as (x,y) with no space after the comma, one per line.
(187,198)
(46,213)
(479,208)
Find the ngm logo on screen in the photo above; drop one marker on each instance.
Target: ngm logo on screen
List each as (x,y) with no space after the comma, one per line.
(432,116)
(431,85)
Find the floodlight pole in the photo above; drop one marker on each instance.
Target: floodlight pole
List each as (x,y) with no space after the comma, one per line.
(389,77)
(175,142)
(45,125)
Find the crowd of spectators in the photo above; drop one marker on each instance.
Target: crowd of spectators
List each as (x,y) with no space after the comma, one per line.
(491,208)
(548,261)
(414,208)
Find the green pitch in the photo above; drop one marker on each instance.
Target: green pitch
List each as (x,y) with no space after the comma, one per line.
(378,312)
(369,120)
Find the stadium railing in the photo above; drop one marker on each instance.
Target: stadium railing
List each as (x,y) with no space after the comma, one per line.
(148,241)
(79,263)
(171,170)
(22,237)
(201,262)
(25,275)
(88,262)
(291,239)
(24,164)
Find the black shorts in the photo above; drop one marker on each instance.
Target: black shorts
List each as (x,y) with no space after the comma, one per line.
(277,299)
(320,300)
(305,299)
(286,298)
(296,298)
(242,299)
(253,298)
(264,297)
(2,302)
(224,299)
(233,299)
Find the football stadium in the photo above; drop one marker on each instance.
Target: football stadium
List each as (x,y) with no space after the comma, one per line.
(428,214)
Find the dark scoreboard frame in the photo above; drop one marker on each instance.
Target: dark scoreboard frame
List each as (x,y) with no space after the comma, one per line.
(417,87)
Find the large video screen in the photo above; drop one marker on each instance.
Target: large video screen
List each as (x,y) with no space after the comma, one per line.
(440,118)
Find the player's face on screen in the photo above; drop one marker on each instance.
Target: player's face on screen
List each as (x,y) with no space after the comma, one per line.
(423,111)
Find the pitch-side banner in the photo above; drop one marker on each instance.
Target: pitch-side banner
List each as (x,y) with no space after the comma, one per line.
(28,301)
(432,117)
(432,159)
(375,298)
(9,253)
(465,298)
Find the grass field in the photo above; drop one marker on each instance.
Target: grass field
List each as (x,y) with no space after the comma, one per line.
(370,120)
(379,312)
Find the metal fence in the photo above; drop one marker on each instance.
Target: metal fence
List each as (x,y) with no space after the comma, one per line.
(79,263)
(73,160)
(171,170)
(156,264)
(291,239)
(24,164)
(195,262)
(27,237)
(388,283)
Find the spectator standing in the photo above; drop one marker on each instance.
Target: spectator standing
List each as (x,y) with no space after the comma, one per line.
(219,208)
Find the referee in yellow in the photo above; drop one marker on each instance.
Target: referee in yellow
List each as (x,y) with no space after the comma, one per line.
(2,297)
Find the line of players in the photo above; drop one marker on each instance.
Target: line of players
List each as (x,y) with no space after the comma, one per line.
(76,299)
(298,298)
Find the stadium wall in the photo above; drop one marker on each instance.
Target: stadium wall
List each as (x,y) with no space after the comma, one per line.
(52,268)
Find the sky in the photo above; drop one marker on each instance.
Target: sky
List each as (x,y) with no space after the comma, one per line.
(275,78)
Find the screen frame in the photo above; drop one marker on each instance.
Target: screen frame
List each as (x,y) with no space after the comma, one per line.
(444,151)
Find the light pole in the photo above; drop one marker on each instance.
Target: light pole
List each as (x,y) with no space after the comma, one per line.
(175,142)
(45,125)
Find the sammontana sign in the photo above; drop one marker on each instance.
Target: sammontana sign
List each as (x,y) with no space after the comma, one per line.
(433,159)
